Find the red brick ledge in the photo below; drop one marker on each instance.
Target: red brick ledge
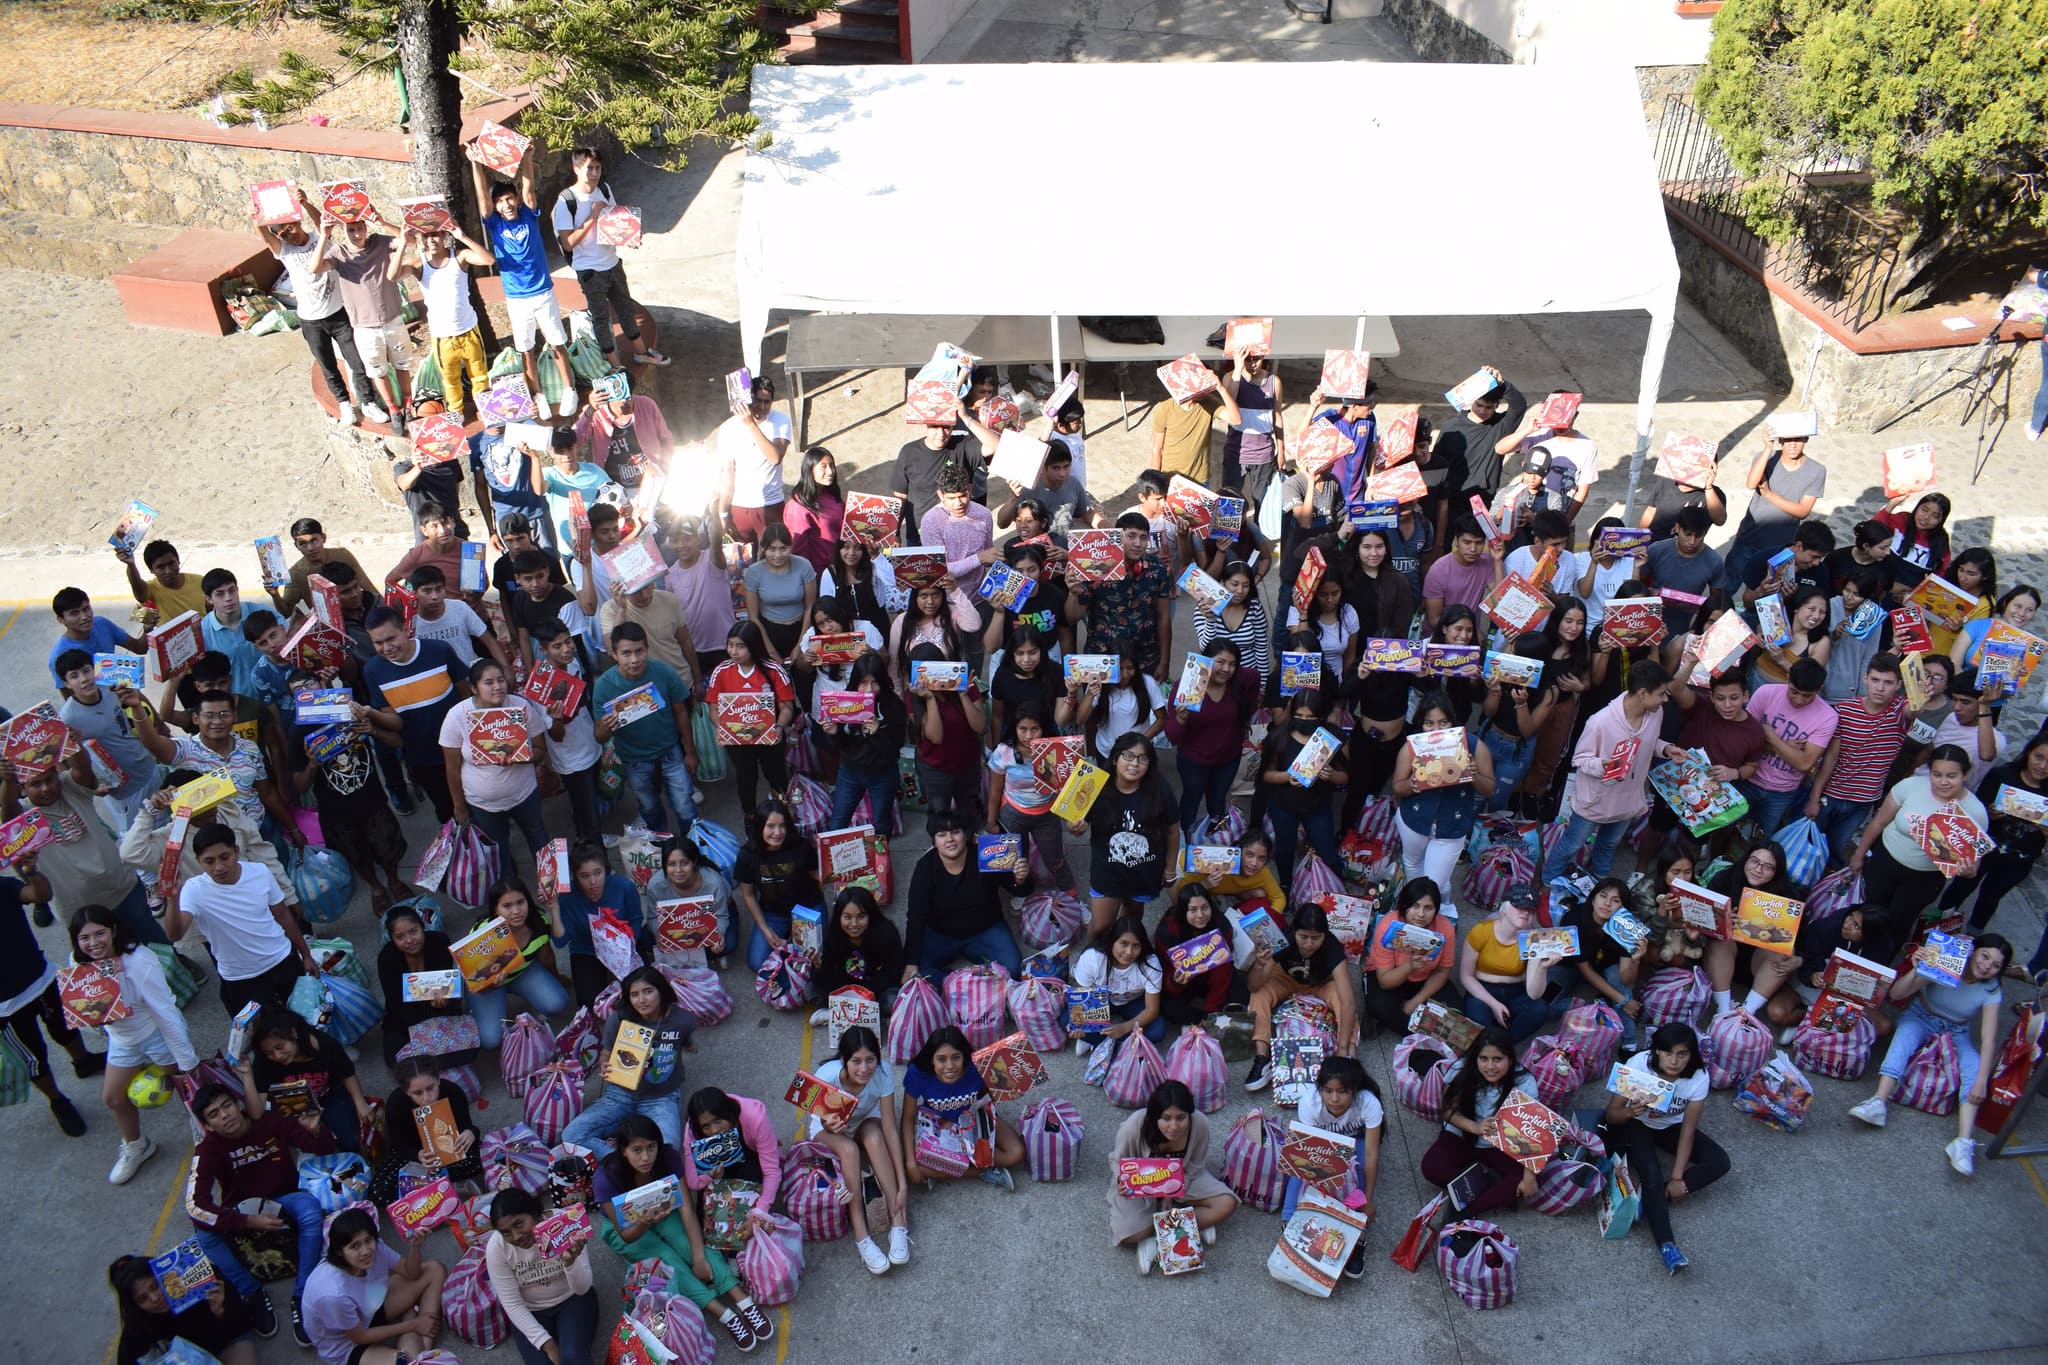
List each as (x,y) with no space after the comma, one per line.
(1918,331)
(365,143)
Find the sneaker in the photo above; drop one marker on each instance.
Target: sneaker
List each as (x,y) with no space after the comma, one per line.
(374,414)
(92,1064)
(899,1246)
(1354,1269)
(819,1018)
(398,423)
(2034,432)
(1148,1255)
(649,358)
(757,1321)
(265,1315)
(1674,1259)
(67,1116)
(41,915)
(1785,1035)
(742,1335)
(345,415)
(200,976)
(1871,1111)
(130,1160)
(1081,1047)
(299,1324)
(2039,977)
(1261,1073)
(1208,1237)
(996,1175)
(871,1256)
(1962,1154)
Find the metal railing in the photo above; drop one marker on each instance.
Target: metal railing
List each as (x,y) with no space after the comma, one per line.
(1840,256)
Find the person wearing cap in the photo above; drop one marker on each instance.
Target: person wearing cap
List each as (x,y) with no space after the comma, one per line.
(1475,444)
(1522,498)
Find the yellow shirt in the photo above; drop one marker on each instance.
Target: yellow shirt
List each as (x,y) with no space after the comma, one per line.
(1187,437)
(1495,958)
(1265,884)
(176,601)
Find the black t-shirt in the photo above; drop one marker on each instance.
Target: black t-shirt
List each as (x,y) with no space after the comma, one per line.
(781,880)
(508,586)
(323,1073)
(1667,500)
(1128,853)
(523,613)
(1839,564)
(440,484)
(1311,971)
(1460,440)
(142,1332)
(917,475)
(1596,948)
(1042,610)
(402,1134)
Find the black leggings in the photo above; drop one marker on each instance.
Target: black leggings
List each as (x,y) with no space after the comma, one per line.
(1901,893)
(752,762)
(1640,1146)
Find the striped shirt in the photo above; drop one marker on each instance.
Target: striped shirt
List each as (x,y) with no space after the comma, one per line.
(420,690)
(244,766)
(1869,743)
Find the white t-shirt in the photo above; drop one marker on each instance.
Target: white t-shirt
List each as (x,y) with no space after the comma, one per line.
(318,295)
(1684,1092)
(1365,1113)
(1123,711)
(493,786)
(1332,638)
(446,291)
(1606,578)
(457,627)
(1126,984)
(246,939)
(573,208)
(1571,566)
(755,482)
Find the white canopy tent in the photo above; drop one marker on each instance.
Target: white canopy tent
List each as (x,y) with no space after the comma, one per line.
(875,194)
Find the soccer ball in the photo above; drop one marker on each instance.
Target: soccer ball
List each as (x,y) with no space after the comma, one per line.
(150,1088)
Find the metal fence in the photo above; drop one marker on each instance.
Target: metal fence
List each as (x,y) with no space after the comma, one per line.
(1839,255)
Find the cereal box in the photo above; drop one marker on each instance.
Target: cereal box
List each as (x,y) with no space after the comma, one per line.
(1300,671)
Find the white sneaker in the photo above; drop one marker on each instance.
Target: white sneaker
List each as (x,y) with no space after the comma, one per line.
(1871,1111)
(899,1246)
(1208,1237)
(1148,1255)
(2034,432)
(820,1017)
(346,414)
(1786,1034)
(1081,1047)
(133,1154)
(1962,1154)
(871,1256)
(374,413)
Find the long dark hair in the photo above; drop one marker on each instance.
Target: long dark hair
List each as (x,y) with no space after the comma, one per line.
(1384,602)
(536,913)
(948,1035)
(634,1128)
(889,706)
(1134,678)
(807,486)
(749,634)
(123,1276)
(125,941)
(1046,680)
(1462,1093)
(1936,541)
(714,1103)
(949,644)
(653,977)
(1118,927)
(1168,1094)
(794,844)
(882,943)
(1155,811)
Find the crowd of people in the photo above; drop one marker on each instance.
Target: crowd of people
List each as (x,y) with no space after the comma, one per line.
(1321,751)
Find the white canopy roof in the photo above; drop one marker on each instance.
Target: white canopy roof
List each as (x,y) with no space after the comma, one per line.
(1390,189)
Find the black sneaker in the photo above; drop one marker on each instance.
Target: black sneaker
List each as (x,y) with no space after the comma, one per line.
(299,1324)
(1260,1073)
(265,1315)
(67,1116)
(757,1321)
(200,975)
(41,916)
(1354,1269)
(91,1064)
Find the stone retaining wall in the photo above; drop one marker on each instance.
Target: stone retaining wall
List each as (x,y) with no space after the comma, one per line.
(1438,37)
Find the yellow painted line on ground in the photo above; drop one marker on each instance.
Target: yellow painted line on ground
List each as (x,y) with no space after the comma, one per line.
(12,619)
(2035,1176)
(782,1313)
(163,1215)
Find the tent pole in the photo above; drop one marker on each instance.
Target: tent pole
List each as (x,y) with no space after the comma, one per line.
(1055,346)
(1358,336)
(1662,321)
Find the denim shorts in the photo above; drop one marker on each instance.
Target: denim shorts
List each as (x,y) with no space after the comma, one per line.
(153,1049)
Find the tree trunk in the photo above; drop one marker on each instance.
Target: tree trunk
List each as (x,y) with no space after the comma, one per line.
(428,35)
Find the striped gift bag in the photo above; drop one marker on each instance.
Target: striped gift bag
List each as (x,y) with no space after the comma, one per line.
(1477,1261)
(1421,1065)
(1826,1052)
(1052,1131)
(1251,1161)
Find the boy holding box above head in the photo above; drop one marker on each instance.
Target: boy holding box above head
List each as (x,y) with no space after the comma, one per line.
(310,540)
(1181,430)
(84,629)
(915,477)
(452,326)
(656,610)
(1062,499)
(361,261)
(1354,420)
(169,588)
(1473,445)
(1784,484)
(322,319)
(512,223)
(452,622)
(1668,497)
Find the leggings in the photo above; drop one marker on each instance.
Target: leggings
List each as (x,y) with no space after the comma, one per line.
(750,763)
(1424,856)
(1900,893)
(1452,1152)
(1048,837)
(1641,1145)
(668,1241)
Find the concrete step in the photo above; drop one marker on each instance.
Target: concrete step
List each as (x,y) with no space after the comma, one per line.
(68,245)
(840,50)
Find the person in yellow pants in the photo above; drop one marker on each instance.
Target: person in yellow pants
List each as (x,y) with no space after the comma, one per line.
(451,319)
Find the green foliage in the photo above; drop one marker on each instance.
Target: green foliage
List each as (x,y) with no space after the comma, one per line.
(1943,102)
(295,84)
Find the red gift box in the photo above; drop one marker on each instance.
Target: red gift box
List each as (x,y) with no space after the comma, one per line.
(997,412)
(929,402)
(1306,579)
(275,202)
(1686,459)
(428,213)
(438,438)
(1559,411)
(1255,335)
(500,148)
(498,736)
(1187,379)
(345,201)
(1320,447)
(1097,555)
(1402,483)
(874,519)
(1396,436)
(1346,374)
(619,226)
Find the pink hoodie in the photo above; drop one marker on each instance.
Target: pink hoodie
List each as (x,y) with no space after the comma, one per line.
(758,1133)
(1627,797)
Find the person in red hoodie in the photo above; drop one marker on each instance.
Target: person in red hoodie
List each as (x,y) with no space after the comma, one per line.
(1196,910)
(245,1164)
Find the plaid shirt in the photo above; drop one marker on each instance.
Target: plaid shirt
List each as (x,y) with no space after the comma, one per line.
(1126,609)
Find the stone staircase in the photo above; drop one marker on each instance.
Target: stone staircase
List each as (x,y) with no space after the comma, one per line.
(852,33)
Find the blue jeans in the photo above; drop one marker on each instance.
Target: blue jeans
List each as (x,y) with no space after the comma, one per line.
(1628,1025)
(1736,562)
(573,1325)
(993,944)
(1526,1014)
(1293,1196)
(1199,781)
(2039,421)
(1917,1026)
(594,1126)
(1511,760)
(1574,837)
(497,827)
(653,778)
(1769,808)
(757,944)
(133,912)
(338,1112)
(1840,822)
(853,783)
(536,986)
(1321,827)
(302,1211)
(1131,1009)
